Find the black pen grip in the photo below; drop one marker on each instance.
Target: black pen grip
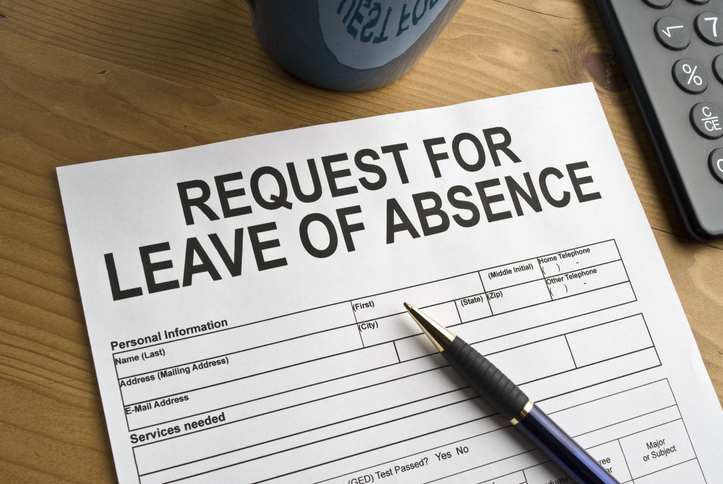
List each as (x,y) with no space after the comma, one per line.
(484,377)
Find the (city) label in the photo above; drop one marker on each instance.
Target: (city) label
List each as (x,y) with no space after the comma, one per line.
(364,34)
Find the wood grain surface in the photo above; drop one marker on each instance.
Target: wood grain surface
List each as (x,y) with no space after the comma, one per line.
(84,80)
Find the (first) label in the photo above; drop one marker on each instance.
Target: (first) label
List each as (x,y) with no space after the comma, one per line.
(364,34)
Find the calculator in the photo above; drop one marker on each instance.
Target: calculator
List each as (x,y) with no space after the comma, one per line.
(671,52)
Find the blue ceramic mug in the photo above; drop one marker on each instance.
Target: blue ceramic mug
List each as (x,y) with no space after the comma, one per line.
(349,45)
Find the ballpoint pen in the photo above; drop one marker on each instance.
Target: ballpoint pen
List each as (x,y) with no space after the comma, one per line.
(512,403)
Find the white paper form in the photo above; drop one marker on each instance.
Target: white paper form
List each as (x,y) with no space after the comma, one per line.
(244,302)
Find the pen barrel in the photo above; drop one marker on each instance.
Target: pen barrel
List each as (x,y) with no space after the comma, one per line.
(562,449)
(486,379)
(510,401)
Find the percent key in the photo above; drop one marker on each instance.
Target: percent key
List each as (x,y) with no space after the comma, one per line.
(690,76)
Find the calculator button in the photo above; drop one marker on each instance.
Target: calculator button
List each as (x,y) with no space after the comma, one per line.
(715,162)
(659,3)
(672,33)
(707,119)
(718,67)
(690,76)
(709,29)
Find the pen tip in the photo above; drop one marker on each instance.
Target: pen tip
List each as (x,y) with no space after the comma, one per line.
(440,336)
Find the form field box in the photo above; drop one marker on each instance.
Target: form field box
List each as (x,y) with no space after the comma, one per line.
(312,421)
(620,407)
(511,274)
(657,448)
(474,306)
(402,325)
(429,294)
(279,458)
(579,258)
(609,340)
(537,319)
(688,472)
(267,391)
(518,297)
(534,361)
(243,364)
(592,374)
(202,346)
(586,280)
(611,458)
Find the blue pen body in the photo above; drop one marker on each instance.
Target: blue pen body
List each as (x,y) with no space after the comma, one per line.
(560,447)
(512,404)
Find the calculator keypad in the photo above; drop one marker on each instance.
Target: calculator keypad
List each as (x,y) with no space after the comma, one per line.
(672,53)
(689,74)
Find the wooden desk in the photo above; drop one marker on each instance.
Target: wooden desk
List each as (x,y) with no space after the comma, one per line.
(83,80)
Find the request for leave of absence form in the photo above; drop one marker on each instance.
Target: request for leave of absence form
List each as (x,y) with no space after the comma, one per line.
(244,302)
